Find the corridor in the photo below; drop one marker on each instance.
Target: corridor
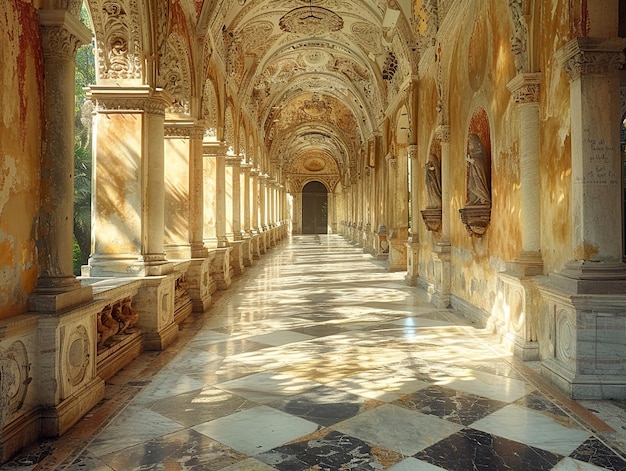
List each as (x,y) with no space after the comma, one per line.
(318,358)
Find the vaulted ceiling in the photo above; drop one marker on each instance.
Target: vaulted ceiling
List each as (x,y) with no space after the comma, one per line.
(314,77)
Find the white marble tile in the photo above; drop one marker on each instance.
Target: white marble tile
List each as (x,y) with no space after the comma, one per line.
(267,386)
(397,429)
(569,464)
(487,385)
(411,464)
(166,384)
(382,385)
(134,425)
(532,428)
(253,431)
(280,337)
(418,322)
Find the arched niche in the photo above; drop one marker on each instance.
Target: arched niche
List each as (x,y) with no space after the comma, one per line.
(476,215)
(315,208)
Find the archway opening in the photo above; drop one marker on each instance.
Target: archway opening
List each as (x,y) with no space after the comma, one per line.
(314,208)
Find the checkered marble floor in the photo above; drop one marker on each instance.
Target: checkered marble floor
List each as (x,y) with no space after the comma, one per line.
(319,359)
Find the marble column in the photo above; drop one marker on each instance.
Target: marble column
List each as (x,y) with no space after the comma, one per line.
(255,219)
(515,315)
(398,232)
(233,213)
(248,234)
(215,213)
(184,201)
(441,253)
(583,326)
(412,244)
(57,288)
(263,227)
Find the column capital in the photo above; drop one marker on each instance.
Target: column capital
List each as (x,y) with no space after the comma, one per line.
(233,160)
(62,34)
(392,161)
(525,88)
(214,148)
(586,56)
(442,133)
(143,98)
(412,150)
(183,128)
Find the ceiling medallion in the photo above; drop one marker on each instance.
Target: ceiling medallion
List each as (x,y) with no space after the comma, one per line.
(314,164)
(311,20)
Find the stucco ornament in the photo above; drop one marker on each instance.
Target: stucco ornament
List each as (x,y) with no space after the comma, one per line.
(311,20)
(519,37)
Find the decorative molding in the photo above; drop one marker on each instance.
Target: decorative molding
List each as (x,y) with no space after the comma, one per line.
(519,38)
(61,34)
(585,56)
(118,38)
(525,88)
(442,133)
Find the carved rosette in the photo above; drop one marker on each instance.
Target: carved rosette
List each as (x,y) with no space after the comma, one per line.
(585,56)
(118,33)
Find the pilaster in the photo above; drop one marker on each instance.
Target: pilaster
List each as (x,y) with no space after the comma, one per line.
(128,189)
(583,334)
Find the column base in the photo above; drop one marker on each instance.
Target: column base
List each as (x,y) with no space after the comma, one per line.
(582,334)
(113,266)
(56,420)
(236,257)
(41,301)
(199,279)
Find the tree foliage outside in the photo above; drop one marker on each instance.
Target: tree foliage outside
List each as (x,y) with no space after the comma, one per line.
(85,76)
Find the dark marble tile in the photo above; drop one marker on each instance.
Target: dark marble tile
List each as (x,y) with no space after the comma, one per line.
(323,330)
(455,406)
(186,450)
(473,450)
(537,401)
(597,453)
(325,405)
(200,406)
(329,450)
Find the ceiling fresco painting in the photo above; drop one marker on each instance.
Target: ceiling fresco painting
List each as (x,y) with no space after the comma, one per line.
(313,77)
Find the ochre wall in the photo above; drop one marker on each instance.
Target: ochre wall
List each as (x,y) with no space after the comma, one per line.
(477,63)
(20,149)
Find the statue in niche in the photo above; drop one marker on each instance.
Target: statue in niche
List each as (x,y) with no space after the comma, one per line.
(479,181)
(433,181)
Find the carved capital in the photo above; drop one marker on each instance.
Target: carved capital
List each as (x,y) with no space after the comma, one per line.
(586,56)
(525,88)
(412,150)
(135,99)
(442,133)
(392,161)
(61,34)
(233,161)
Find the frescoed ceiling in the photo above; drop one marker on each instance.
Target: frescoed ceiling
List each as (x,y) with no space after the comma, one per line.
(314,76)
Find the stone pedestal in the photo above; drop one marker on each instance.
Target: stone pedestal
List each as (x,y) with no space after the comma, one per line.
(441,257)
(221,268)
(154,303)
(398,249)
(68,384)
(412,267)
(382,244)
(199,280)
(237,257)
(255,246)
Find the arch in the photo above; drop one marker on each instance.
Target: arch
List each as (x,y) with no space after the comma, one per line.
(315,208)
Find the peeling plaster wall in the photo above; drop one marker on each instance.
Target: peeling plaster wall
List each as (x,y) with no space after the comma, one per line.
(555,159)
(478,63)
(20,147)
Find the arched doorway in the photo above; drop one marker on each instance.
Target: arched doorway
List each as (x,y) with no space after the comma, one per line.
(314,208)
